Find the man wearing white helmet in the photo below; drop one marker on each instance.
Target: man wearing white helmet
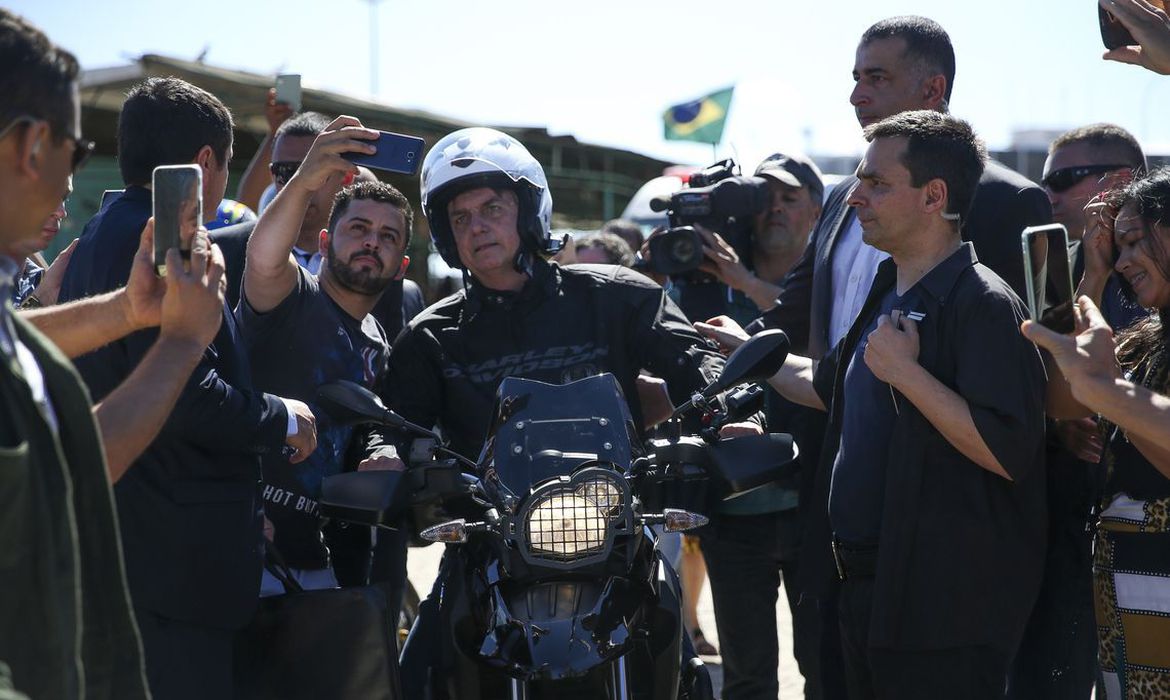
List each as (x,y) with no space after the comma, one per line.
(489,208)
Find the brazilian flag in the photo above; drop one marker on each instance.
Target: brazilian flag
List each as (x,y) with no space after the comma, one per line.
(698,120)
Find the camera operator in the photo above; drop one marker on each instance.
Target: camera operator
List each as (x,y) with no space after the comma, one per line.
(744,568)
(778,233)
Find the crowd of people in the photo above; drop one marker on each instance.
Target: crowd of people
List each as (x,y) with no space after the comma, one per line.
(983,504)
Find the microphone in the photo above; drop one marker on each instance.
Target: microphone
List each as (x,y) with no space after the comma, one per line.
(660,203)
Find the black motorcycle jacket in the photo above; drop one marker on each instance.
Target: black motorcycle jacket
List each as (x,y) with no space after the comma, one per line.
(565,324)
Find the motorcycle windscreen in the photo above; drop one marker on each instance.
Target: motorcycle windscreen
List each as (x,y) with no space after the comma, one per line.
(544,430)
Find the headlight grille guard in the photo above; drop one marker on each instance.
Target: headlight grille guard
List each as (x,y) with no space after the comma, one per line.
(571,521)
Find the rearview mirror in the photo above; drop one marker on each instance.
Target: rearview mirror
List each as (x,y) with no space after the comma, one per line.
(756,360)
(350,403)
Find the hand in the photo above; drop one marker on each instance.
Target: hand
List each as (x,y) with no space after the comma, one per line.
(1086,358)
(276,113)
(1149,27)
(1097,241)
(654,399)
(324,164)
(567,255)
(1080,438)
(305,441)
(144,289)
(50,287)
(733,430)
(192,306)
(891,349)
(381,463)
(726,333)
(722,261)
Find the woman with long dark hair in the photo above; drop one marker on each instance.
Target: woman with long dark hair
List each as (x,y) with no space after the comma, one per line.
(1126,380)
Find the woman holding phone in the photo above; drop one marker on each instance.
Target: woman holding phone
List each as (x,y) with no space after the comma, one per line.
(1126,379)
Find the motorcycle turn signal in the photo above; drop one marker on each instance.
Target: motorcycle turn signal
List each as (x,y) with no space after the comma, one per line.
(675,520)
(453,531)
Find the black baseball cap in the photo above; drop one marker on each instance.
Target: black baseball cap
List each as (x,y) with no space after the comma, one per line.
(794,171)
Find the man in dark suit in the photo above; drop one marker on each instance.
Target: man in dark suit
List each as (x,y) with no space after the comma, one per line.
(902,64)
(189,507)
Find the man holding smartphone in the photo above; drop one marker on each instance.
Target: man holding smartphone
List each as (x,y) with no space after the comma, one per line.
(937,493)
(189,508)
(401,300)
(66,626)
(304,330)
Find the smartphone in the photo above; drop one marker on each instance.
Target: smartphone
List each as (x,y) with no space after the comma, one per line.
(1048,274)
(1113,33)
(178,209)
(108,198)
(288,90)
(397,153)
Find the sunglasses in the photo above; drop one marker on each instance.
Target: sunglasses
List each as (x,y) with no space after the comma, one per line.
(1063,179)
(283,172)
(82,147)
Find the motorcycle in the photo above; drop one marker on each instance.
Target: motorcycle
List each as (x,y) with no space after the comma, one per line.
(555,586)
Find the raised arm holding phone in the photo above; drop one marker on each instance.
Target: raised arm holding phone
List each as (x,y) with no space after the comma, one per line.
(1149,26)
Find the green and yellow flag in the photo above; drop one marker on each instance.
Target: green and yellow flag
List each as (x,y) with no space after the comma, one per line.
(698,120)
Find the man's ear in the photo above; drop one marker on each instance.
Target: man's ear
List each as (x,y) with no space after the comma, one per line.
(934,92)
(206,160)
(402,268)
(31,148)
(936,196)
(323,243)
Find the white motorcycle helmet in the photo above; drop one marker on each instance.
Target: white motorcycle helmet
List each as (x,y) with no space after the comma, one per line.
(482,157)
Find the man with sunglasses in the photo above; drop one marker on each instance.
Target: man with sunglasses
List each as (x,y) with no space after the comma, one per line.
(290,145)
(1057,659)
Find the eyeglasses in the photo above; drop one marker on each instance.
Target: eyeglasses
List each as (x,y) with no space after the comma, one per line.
(82,147)
(1063,179)
(283,172)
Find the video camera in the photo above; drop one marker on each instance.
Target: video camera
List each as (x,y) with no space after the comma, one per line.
(717,198)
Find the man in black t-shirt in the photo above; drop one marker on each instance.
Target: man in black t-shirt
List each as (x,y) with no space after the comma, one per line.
(303,330)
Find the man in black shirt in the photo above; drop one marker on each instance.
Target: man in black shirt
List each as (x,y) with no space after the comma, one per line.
(937,495)
(303,330)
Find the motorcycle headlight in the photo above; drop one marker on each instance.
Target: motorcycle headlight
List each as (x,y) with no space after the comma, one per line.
(570,521)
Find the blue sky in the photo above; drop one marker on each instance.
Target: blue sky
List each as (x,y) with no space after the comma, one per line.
(605,70)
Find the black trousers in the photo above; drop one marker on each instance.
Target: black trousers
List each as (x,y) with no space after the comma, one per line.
(961,673)
(747,558)
(185,660)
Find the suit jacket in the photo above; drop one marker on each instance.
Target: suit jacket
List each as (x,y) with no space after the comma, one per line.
(1005,203)
(233,243)
(189,507)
